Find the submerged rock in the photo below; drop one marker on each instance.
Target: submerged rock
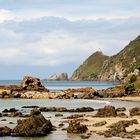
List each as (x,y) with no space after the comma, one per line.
(76,128)
(36,125)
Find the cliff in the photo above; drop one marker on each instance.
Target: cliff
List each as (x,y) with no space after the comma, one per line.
(101,67)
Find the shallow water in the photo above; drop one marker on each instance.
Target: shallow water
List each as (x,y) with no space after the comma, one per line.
(58,135)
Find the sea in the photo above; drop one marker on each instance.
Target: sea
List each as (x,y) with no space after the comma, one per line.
(68,103)
(62,85)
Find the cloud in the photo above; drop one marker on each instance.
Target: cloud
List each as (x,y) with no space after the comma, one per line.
(51,41)
(72,10)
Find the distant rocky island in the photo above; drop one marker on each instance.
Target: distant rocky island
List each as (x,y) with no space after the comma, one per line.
(117,67)
(62,77)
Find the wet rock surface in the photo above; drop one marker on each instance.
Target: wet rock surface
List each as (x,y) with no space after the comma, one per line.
(63,109)
(75,116)
(5,131)
(121,109)
(36,125)
(107,111)
(76,128)
(119,129)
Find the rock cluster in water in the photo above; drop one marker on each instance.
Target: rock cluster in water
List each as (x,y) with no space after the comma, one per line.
(35,125)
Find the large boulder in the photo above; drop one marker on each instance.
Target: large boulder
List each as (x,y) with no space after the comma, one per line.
(76,128)
(31,83)
(35,125)
(107,111)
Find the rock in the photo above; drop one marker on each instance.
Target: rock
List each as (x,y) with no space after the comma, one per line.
(84,136)
(31,83)
(15,114)
(135,111)
(58,115)
(10,110)
(53,77)
(100,124)
(107,111)
(11,123)
(121,109)
(84,109)
(82,90)
(33,106)
(61,125)
(3,120)
(5,131)
(119,129)
(135,132)
(35,111)
(63,76)
(36,125)
(85,96)
(122,115)
(76,128)
(75,116)
(63,109)
(112,92)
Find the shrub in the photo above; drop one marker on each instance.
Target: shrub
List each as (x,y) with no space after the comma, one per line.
(133,78)
(129,88)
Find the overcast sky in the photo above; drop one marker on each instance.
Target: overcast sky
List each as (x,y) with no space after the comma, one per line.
(43,37)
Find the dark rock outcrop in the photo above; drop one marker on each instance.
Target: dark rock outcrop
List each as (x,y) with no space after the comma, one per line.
(107,111)
(36,125)
(76,128)
(120,109)
(63,109)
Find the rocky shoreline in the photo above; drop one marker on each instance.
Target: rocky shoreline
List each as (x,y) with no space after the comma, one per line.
(107,121)
(85,121)
(31,88)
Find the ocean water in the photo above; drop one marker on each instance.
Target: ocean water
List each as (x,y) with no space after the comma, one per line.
(61,85)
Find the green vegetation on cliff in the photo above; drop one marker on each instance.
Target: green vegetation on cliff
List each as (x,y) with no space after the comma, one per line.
(102,67)
(90,69)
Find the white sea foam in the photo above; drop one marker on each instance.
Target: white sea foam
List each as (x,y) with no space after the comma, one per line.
(99,101)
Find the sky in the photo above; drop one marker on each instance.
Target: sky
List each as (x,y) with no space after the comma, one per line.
(44,37)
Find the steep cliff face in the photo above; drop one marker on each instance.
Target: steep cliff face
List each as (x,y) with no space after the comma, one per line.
(120,65)
(90,69)
(101,67)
